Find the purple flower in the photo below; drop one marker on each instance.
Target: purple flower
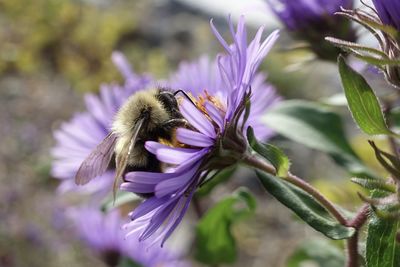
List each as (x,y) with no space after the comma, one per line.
(103,233)
(312,20)
(216,138)
(78,137)
(388,12)
(304,14)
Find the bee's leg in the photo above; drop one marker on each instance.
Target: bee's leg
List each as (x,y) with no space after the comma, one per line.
(173,123)
(166,129)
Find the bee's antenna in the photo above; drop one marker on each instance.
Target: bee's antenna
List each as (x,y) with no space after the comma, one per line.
(185,94)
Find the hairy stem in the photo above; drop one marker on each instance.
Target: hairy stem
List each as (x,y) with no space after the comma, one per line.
(352,243)
(254,161)
(357,222)
(352,251)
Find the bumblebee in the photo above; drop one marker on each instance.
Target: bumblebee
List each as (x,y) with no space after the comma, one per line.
(148,115)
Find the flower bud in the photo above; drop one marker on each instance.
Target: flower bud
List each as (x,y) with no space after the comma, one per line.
(312,21)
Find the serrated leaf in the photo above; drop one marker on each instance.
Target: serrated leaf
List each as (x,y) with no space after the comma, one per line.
(379,62)
(272,153)
(372,184)
(393,167)
(304,206)
(215,243)
(362,101)
(382,250)
(355,47)
(319,253)
(387,212)
(317,127)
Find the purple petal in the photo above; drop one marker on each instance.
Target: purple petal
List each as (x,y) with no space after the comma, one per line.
(149,205)
(218,35)
(176,156)
(193,138)
(179,219)
(178,183)
(216,115)
(197,119)
(157,220)
(137,187)
(147,177)
(123,65)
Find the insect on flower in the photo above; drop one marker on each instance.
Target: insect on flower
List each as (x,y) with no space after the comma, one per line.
(222,91)
(147,115)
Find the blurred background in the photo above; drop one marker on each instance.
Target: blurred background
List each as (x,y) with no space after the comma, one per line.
(53,51)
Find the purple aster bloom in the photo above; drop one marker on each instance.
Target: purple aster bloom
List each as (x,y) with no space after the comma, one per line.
(204,74)
(76,138)
(215,140)
(303,14)
(312,20)
(103,233)
(388,12)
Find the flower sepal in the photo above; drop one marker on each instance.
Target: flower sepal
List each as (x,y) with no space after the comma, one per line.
(232,145)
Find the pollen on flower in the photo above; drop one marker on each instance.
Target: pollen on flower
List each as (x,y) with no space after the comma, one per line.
(216,101)
(205,98)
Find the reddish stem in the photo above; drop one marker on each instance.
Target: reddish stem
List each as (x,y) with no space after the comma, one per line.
(352,243)
(256,162)
(357,222)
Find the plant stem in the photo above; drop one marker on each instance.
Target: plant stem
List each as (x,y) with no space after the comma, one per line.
(317,195)
(357,222)
(360,218)
(258,163)
(352,243)
(352,251)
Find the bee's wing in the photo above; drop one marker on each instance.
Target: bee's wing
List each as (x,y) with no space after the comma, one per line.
(98,160)
(121,160)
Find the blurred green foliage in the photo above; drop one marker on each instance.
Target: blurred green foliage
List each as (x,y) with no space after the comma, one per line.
(72,38)
(318,253)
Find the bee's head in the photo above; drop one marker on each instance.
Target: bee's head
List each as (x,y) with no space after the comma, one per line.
(169,102)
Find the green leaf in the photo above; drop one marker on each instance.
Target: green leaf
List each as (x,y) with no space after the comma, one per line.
(126,262)
(355,47)
(316,127)
(305,206)
(382,248)
(372,184)
(393,167)
(318,253)
(363,103)
(215,243)
(379,62)
(120,199)
(272,153)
